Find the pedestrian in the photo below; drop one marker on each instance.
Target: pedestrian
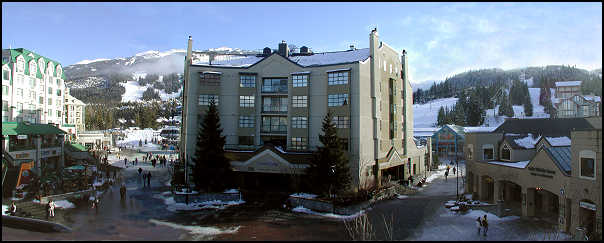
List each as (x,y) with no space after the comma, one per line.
(478,224)
(454,171)
(136,161)
(123,191)
(144,179)
(13,209)
(446,174)
(51,208)
(485,225)
(149,179)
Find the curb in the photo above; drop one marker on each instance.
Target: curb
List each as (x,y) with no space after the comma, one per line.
(33,224)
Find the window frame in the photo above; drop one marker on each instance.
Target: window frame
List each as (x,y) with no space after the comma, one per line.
(338,78)
(488,146)
(247,101)
(247,81)
(506,147)
(299,80)
(335,100)
(587,154)
(300,122)
(299,101)
(299,143)
(204,99)
(247,122)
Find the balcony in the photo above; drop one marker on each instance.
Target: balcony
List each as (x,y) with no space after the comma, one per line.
(280,109)
(275,89)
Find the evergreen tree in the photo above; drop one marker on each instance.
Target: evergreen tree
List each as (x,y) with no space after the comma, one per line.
(475,110)
(211,170)
(329,170)
(440,120)
(528,107)
(506,108)
(460,114)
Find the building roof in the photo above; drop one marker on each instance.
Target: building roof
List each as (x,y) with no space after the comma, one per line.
(478,129)
(316,59)
(568,83)
(561,157)
(291,157)
(22,128)
(14,53)
(424,131)
(592,98)
(558,141)
(552,127)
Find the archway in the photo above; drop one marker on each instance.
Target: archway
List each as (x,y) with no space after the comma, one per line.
(511,194)
(487,189)
(546,205)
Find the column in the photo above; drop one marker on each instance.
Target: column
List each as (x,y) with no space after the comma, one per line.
(497,191)
(545,202)
(38,156)
(562,219)
(528,202)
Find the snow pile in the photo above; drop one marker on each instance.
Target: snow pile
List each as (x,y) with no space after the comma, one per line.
(301,209)
(64,204)
(231,191)
(527,142)
(424,115)
(402,196)
(558,141)
(303,195)
(519,164)
(568,83)
(215,204)
(4,209)
(198,232)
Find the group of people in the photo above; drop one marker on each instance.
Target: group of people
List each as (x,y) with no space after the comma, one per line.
(447,171)
(146,177)
(482,223)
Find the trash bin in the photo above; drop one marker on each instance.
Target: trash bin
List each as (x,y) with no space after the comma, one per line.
(580,233)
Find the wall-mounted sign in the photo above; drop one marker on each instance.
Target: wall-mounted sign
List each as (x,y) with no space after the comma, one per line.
(21,136)
(587,205)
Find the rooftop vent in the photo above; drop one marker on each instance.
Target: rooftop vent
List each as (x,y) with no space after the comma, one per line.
(266,51)
(352,48)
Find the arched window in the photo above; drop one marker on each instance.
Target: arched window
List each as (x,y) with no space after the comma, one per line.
(32,68)
(20,64)
(587,164)
(50,69)
(506,153)
(41,64)
(59,71)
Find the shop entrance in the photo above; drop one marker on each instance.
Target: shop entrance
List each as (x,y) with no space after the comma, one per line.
(488,189)
(587,217)
(395,174)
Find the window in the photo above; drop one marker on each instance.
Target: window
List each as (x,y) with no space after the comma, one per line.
(588,164)
(300,80)
(274,124)
(58,92)
(41,100)
(300,101)
(414,169)
(274,85)
(5,74)
(246,101)
(41,65)
(335,78)
(341,121)
(506,153)
(247,81)
(246,140)
(337,99)
(49,90)
(298,143)
(210,79)
(384,66)
(204,99)
(299,122)
(58,113)
(32,95)
(49,112)
(19,93)
(246,121)
(49,101)
(32,68)
(470,152)
(487,152)
(20,64)
(274,104)
(4,105)
(4,90)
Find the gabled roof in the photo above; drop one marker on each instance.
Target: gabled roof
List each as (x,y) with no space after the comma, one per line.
(552,127)
(561,157)
(291,157)
(22,128)
(314,60)
(14,53)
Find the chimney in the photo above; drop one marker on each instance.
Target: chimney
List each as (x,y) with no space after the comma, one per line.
(283,49)
(352,48)
(189,51)
(404,67)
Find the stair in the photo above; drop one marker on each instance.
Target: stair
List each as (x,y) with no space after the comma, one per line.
(30,209)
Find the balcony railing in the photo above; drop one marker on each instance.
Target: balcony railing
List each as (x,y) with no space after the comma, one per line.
(274,129)
(274,89)
(274,108)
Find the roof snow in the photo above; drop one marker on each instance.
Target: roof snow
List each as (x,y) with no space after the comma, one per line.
(568,83)
(316,59)
(592,98)
(558,141)
(519,164)
(479,129)
(527,142)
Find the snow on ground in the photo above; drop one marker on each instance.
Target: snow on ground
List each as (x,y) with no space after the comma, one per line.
(64,204)
(303,195)
(231,191)
(301,209)
(402,196)
(473,213)
(165,96)
(493,120)
(133,137)
(439,173)
(174,206)
(424,115)
(134,91)
(198,232)
(4,209)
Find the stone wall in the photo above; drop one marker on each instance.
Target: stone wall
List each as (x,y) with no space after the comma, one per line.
(67,196)
(204,197)
(326,206)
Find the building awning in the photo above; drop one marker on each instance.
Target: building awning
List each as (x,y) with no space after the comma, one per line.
(78,147)
(22,128)
(338,70)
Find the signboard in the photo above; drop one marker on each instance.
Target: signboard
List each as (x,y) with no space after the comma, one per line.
(25,173)
(21,155)
(21,136)
(587,205)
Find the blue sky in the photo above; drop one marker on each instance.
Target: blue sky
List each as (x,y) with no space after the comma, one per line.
(441,39)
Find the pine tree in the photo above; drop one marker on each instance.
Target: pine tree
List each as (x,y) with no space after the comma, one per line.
(211,170)
(528,107)
(460,114)
(329,170)
(441,116)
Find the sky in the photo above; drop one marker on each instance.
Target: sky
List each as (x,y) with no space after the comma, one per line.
(441,39)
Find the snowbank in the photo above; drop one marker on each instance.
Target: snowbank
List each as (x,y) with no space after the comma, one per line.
(303,195)
(174,206)
(439,173)
(198,232)
(301,209)
(64,204)
(4,209)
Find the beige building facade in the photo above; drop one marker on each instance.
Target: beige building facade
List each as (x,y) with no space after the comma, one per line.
(279,99)
(549,168)
(74,113)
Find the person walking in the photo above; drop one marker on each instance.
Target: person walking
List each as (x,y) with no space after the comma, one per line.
(51,208)
(149,179)
(13,209)
(478,224)
(454,171)
(136,161)
(144,179)
(485,224)
(446,174)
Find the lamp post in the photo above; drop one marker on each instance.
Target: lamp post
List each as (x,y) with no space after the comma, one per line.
(457,175)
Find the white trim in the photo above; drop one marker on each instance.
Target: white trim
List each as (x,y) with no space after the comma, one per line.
(338,70)
(299,73)
(504,146)
(211,72)
(588,154)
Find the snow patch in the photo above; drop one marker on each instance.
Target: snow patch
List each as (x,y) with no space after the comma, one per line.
(402,196)
(527,142)
(558,141)
(64,204)
(91,61)
(490,217)
(303,195)
(198,232)
(519,164)
(301,209)
(425,115)
(4,209)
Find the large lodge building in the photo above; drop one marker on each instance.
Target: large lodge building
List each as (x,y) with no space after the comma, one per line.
(272,105)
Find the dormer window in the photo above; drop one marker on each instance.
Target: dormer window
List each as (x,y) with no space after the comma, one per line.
(59,71)
(41,65)
(506,153)
(32,68)
(20,64)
